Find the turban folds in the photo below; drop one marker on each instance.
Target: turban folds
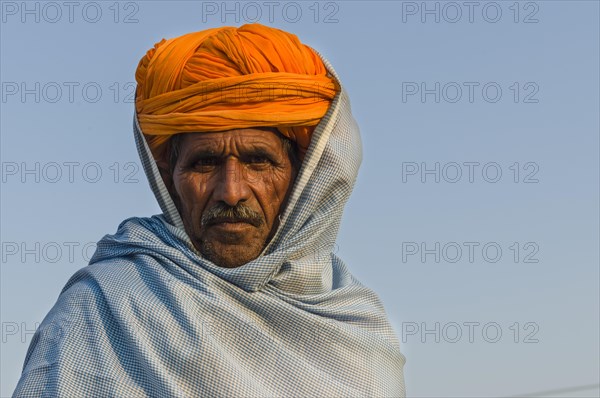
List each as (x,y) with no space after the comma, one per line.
(227,78)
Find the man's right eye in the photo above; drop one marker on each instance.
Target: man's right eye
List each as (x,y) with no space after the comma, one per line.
(206,162)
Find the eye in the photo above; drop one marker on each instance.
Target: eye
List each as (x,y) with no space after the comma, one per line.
(259,162)
(206,163)
(259,159)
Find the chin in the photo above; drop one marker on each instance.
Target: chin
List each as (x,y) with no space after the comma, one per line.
(227,256)
(230,262)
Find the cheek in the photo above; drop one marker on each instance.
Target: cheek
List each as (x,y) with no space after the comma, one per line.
(271,191)
(192,192)
(282,183)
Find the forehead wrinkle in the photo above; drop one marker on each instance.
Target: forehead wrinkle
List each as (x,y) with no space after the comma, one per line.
(258,142)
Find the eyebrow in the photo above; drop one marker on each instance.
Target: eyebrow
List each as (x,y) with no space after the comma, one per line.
(258,151)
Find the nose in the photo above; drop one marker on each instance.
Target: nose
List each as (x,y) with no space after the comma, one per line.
(231,186)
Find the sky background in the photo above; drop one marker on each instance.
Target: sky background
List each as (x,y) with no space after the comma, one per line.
(475,216)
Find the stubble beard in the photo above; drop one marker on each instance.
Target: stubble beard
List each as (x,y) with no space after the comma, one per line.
(232,256)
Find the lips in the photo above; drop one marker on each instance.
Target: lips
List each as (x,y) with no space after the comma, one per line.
(231,221)
(226,226)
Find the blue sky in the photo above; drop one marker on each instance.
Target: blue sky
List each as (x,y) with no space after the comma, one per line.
(475,215)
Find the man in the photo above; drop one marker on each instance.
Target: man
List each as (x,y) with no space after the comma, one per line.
(250,148)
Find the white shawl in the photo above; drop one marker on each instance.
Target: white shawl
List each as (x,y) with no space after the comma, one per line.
(149,316)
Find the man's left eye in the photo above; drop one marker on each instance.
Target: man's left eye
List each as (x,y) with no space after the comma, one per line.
(259,159)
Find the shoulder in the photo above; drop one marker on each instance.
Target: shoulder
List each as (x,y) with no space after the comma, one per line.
(71,349)
(114,280)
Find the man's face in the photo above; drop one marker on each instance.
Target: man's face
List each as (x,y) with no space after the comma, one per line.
(230,188)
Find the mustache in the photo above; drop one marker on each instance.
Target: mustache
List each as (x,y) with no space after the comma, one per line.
(222,212)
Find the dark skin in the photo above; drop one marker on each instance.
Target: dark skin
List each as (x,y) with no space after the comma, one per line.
(241,167)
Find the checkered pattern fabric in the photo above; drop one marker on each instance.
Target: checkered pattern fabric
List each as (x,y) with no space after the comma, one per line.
(150,317)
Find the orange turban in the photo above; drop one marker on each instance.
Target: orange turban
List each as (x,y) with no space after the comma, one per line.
(227,78)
